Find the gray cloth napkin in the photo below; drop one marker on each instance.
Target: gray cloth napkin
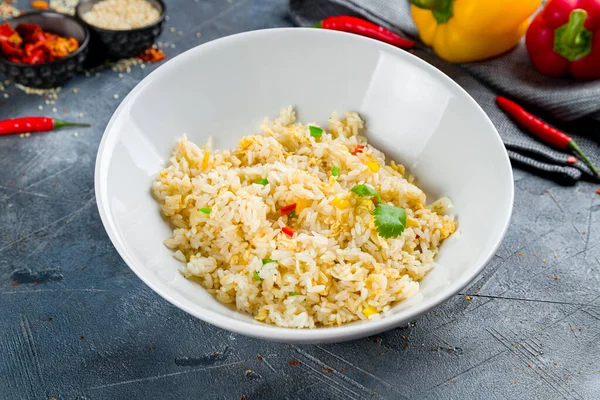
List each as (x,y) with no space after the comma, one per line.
(571,106)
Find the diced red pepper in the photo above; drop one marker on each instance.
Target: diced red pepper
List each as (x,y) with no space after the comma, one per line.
(288,209)
(358,149)
(288,231)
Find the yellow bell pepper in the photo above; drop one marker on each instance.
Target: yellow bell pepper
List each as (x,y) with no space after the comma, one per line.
(472,30)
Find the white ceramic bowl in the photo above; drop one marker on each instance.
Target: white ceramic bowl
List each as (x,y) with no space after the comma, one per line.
(414,113)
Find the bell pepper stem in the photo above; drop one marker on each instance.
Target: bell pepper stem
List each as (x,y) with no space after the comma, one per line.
(441,9)
(572,40)
(572,35)
(573,146)
(61,124)
(437,5)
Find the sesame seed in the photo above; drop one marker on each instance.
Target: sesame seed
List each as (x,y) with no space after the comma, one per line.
(76,134)
(54,109)
(198,34)
(172,46)
(143,66)
(6,96)
(167,18)
(180,33)
(75,90)
(121,76)
(172,29)
(40,107)
(80,115)
(122,14)
(116,96)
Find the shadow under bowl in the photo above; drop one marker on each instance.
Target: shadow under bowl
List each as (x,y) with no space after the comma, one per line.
(121,43)
(54,73)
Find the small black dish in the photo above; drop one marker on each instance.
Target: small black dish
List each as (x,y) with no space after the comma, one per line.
(54,73)
(125,43)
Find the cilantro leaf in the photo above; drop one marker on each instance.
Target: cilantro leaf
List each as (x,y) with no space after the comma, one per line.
(293,294)
(262,182)
(335,171)
(315,132)
(267,260)
(205,210)
(364,191)
(257,276)
(389,220)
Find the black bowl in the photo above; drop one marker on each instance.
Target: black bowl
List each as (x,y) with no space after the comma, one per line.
(54,73)
(124,43)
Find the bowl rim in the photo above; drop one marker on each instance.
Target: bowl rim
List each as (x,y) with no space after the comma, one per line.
(74,54)
(159,21)
(272,332)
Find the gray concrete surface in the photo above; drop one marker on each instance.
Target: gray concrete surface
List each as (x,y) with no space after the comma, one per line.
(75,323)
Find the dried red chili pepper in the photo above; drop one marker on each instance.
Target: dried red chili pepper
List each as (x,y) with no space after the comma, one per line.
(366,28)
(542,130)
(33,124)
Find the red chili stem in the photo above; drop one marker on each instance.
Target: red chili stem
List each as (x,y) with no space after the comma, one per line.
(287,209)
(33,124)
(359,26)
(542,130)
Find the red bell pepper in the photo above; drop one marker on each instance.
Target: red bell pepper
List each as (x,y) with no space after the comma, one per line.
(564,39)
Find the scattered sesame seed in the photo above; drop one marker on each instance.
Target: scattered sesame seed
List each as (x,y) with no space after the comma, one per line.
(98,74)
(47,102)
(172,29)
(75,90)
(172,46)
(6,96)
(143,66)
(179,33)
(87,74)
(167,18)
(198,34)
(54,109)
(116,96)
(543,261)
(121,76)
(76,134)
(40,107)
(80,115)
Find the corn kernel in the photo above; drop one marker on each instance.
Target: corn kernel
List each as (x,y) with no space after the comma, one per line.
(373,166)
(412,223)
(340,204)
(368,311)
(205,160)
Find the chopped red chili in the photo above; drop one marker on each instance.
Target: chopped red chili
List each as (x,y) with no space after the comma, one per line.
(29,44)
(152,55)
(358,149)
(288,231)
(288,209)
